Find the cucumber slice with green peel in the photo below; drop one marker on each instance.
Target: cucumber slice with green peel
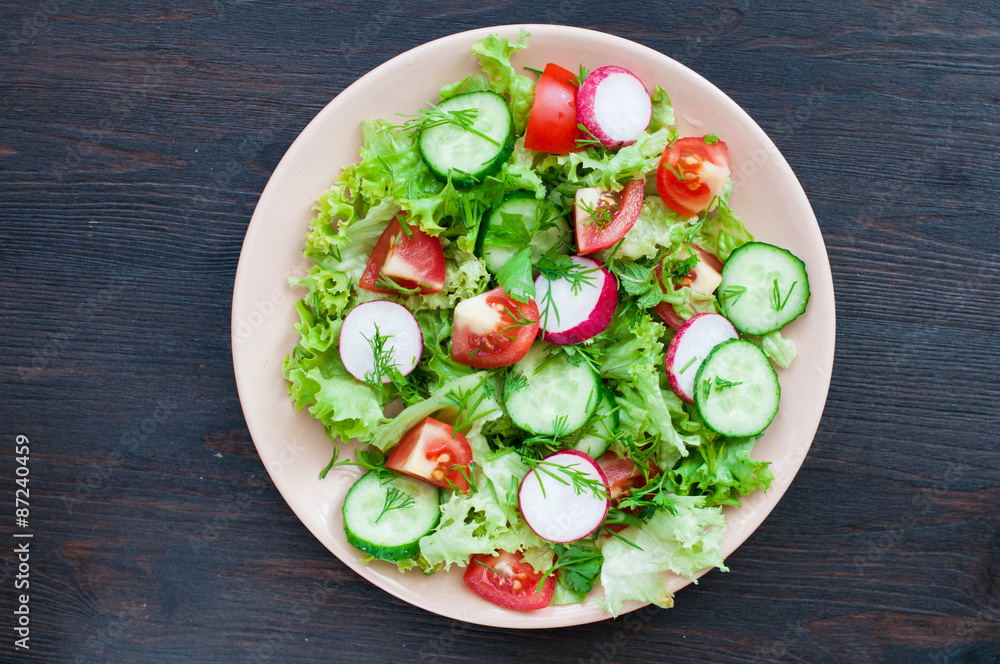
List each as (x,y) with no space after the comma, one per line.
(386,514)
(500,240)
(547,395)
(595,437)
(763,288)
(736,390)
(467,137)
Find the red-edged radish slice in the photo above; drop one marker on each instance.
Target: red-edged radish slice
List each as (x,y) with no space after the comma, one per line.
(614,106)
(404,342)
(689,348)
(576,308)
(558,508)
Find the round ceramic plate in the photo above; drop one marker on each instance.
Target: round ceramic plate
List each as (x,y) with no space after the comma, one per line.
(293,446)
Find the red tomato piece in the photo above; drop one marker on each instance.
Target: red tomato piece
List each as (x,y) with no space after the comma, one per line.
(433,452)
(411,260)
(703,278)
(493,330)
(705,169)
(552,125)
(508,581)
(605,218)
(622,475)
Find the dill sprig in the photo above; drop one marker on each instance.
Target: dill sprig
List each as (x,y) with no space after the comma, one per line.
(568,475)
(467,410)
(777,303)
(395,499)
(428,118)
(588,139)
(730,295)
(389,284)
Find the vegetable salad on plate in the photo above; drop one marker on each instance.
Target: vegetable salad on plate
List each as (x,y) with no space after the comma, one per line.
(552,338)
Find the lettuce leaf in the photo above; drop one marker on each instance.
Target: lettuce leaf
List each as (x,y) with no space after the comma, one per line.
(723,232)
(721,470)
(685,542)
(474,523)
(494,56)
(779,349)
(347,407)
(610,170)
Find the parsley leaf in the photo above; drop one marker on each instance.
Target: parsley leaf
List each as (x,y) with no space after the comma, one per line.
(515,276)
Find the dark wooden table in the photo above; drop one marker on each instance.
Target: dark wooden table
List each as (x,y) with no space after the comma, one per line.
(135,138)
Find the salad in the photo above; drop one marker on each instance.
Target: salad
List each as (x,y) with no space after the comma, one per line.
(533,307)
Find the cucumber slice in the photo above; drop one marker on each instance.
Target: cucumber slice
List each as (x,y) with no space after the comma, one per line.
(595,437)
(763,288)
(386,514)
(472,139)
(736,390)
(547,395)
(498,244)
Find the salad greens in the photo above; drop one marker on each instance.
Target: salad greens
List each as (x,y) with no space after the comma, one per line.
(675,523)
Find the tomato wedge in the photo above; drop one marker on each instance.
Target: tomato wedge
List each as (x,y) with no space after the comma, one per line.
(433,452)
(413,260)
(552,125)
(508,581)
(703,279)
(603,218)
(622,475)
(493,330)
(704,167)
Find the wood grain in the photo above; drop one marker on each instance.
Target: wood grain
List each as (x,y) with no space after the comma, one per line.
(135,139)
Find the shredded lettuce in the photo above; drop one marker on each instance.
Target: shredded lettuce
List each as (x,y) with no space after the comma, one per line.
(684,542)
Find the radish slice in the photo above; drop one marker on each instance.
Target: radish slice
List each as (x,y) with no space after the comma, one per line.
(614,106)
(559,509)
(404,342)
(569,315)
(689,348)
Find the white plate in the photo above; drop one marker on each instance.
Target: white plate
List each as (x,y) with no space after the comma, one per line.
(292,445)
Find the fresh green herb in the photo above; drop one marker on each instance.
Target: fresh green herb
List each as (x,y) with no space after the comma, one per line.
(587,140)
(389,284)
(723,384)
(732,294)
(578,566)
(569,475)
(711,139)
(513,382)
(776,302)
(492,569)
(467,410)
(383,360)
(538,72)
(429,118)
(466,472)
(581,76)
(676,171)
(512,231)
(688,365)
(555,266)
(394,499)
(515,276)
